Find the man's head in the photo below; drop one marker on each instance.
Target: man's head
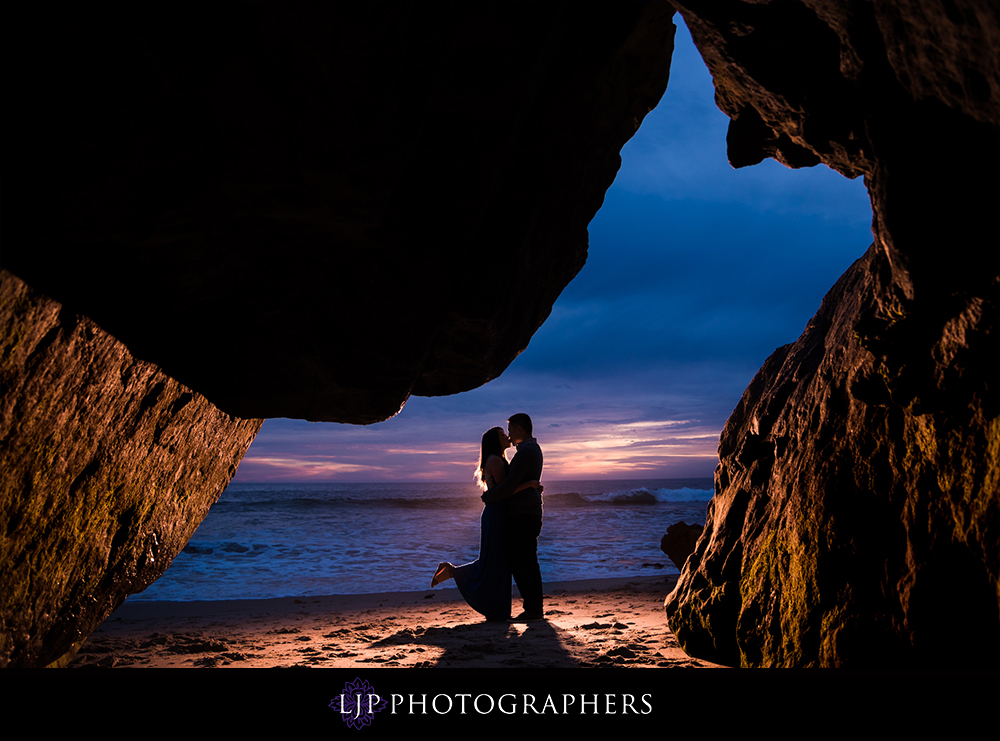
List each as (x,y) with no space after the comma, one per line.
(519,427)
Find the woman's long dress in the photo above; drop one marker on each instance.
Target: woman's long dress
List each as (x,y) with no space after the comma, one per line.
(485,583)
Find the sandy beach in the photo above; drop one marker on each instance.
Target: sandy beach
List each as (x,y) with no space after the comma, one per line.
(596,623)
(389,644)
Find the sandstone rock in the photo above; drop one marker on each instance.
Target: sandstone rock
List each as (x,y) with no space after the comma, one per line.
(849,529)
(679,541)
(108,468)
(857,504)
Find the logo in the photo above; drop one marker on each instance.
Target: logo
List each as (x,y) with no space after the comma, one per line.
(358,703)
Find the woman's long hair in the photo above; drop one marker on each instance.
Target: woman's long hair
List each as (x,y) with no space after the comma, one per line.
(491,446)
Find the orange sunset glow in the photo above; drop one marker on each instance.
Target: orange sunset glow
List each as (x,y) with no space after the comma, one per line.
(627,450)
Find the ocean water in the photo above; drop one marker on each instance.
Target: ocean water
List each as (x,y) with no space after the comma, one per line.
(294,540)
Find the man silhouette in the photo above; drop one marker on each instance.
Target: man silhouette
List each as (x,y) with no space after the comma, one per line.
(523,517)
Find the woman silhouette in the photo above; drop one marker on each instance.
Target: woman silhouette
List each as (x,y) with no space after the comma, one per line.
(485,583)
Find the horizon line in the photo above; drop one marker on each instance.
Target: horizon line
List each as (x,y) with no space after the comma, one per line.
(470,481)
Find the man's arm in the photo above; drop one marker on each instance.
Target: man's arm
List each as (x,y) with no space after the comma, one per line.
(518,469)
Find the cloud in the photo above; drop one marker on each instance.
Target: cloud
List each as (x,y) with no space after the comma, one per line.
(696,273)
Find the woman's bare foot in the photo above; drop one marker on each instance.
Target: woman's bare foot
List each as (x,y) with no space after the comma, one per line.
(444,573)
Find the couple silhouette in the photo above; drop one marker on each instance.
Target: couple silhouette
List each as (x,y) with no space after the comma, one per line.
(509,527)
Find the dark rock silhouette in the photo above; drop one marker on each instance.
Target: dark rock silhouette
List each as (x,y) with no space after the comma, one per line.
(307,210)
(679,542)
(313,210)
(858,491)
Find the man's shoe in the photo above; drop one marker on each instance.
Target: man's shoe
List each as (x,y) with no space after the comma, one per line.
(528,617)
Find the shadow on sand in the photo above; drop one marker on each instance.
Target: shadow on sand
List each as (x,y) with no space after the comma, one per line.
(495,644)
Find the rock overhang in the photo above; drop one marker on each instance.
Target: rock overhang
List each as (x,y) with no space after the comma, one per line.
(315,211)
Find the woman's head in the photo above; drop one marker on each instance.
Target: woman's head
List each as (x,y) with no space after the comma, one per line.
(495,442)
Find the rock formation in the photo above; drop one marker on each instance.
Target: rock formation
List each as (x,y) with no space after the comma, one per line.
(305,210)
(313,210)
(108,468)
(857,511)
(679,542)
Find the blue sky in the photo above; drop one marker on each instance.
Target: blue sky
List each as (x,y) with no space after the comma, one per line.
(696,273)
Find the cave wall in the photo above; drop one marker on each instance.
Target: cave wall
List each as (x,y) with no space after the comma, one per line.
(313,210)
(214,213)
(856,520)
(108,467)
